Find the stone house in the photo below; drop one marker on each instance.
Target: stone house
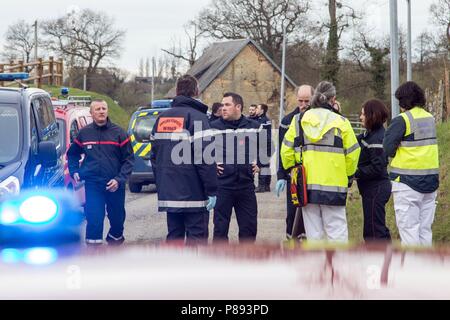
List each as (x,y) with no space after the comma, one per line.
(241,66)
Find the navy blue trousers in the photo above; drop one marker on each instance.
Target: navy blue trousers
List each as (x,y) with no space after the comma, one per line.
(192,226)
(245,206)
(97,198)
(374,199)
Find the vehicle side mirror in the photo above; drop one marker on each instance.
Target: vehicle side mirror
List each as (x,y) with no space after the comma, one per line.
(47,154)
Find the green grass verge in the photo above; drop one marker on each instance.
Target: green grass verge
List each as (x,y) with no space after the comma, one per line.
(117,114)
(441,225)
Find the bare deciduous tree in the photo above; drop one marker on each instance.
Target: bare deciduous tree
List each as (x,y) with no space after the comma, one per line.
(190,53)
(260,20)
(440,13)
(91,40)
(19,41)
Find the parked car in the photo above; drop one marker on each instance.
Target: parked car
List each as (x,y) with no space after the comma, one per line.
(161,104)
(139,129)
(71,118)
(31,155)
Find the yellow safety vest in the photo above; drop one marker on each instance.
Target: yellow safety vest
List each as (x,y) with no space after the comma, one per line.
(417,154)
(329,151)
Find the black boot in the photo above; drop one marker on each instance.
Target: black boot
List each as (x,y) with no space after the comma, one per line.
(113,241)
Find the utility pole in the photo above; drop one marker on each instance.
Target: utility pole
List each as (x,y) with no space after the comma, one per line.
(153,78)
(409,45)
(35,25)
(84,81)
(283,76)
(395,73)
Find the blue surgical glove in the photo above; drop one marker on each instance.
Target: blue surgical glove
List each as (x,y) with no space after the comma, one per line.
(281,184)
(211,203)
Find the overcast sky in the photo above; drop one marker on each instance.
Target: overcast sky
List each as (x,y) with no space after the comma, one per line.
(153,24)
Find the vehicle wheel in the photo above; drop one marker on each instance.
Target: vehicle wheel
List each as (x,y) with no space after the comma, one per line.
(135,187)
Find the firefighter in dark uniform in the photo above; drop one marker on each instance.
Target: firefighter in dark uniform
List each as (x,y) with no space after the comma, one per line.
(264,176)
(236,174)
(216,111)
(105,169)
(186,181)
(372,175)
(304,95)
(252,112)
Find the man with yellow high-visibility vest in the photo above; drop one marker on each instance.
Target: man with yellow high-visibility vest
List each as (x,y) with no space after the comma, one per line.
(325,143)
(411,141)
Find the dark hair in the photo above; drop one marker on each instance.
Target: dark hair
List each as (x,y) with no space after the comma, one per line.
(253,105)
(237,99)
(376,114)
(187,86)
(215,107)
(264,107)
(410,95)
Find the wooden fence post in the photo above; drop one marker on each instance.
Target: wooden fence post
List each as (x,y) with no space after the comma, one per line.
(447,90)
(440,102)
(39,73)
(51,71)
(61,71)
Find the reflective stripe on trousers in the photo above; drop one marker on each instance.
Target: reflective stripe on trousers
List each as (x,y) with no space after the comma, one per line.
(182,204)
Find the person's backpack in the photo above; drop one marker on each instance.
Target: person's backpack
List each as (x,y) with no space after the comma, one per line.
(299,192)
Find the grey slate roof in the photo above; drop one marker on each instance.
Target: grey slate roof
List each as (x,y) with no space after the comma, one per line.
(216,58)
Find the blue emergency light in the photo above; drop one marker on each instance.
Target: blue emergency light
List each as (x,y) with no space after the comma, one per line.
(37,256)
(33,210)
(14,76)
(39,217)
(64,91)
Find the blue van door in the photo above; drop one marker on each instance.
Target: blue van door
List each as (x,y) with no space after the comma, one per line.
(44,128)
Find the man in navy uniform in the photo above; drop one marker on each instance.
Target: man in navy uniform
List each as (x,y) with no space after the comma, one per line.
(186,183)
(236,137)
(304,95)
(105,169)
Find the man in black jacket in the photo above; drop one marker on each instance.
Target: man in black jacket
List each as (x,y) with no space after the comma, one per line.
(236,156)
(252,112)
(304,95)
(216,111)
(105,169)
(264,176)
(185,172)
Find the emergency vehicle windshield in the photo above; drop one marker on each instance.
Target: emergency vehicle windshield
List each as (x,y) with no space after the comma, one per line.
(143,128)
(9,133)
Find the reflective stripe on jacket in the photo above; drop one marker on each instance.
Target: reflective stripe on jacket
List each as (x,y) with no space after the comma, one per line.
(329,151)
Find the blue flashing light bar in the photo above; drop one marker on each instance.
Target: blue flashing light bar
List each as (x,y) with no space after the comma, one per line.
(14,76)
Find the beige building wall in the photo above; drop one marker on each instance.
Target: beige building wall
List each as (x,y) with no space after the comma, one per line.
(252,76)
